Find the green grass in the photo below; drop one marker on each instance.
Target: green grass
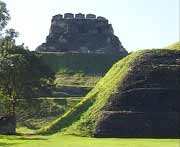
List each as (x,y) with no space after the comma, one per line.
(50,109)
(24,129)
(59,140)
(78,80)
(81,119)
(175,45)
(73,63)
(78,69)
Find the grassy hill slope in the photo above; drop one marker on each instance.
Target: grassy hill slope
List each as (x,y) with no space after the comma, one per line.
(78,70)
(83,116)
(76,75)
(175,45)
(82,119)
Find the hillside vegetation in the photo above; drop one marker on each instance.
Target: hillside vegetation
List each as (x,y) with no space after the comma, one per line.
(73,63)
(76,75)
(83,116)
(175,45)
(82,119)
(78,69)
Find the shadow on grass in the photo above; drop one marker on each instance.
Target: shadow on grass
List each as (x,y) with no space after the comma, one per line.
(19,139)
(71,116)
(7,144)
(28,138)
(22,138)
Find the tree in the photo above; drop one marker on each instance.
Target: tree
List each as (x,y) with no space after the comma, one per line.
(22,73)
(4,15)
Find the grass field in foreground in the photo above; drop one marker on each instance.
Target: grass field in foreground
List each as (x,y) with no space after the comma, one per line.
(59,140)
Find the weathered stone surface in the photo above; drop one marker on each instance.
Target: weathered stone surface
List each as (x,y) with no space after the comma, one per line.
(7,125)
(81,34)
(138,124)
(79,16)
(68,16)
(148,101)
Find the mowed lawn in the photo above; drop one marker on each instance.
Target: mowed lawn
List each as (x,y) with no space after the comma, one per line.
(59,140)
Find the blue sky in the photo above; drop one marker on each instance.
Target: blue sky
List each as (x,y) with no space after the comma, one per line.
(139,24)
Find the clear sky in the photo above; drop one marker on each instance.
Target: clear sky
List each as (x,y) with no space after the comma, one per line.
(139,24)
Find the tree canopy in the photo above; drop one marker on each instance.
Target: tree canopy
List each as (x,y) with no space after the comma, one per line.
(4,15)
(23,75)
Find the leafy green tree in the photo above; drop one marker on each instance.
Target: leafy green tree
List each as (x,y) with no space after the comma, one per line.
(23,75)
(4,15)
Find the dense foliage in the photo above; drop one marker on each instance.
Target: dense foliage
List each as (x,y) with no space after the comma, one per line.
(22,73)
(4,15)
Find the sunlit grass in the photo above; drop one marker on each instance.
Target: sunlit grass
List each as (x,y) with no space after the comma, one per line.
(59,140)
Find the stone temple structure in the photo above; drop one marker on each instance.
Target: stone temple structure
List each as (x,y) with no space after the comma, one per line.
(80,33)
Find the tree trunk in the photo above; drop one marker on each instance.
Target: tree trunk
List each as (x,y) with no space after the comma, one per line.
(13,113)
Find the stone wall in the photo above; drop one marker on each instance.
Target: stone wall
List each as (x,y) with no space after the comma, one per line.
(81,33)
(7,125)
(77,16)
(147,102)
(138,124)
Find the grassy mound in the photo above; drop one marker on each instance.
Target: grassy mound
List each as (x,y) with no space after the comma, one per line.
(175,45)
(94,101)
(83,118)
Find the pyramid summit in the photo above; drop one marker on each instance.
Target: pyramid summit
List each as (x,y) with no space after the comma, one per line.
(81,33)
